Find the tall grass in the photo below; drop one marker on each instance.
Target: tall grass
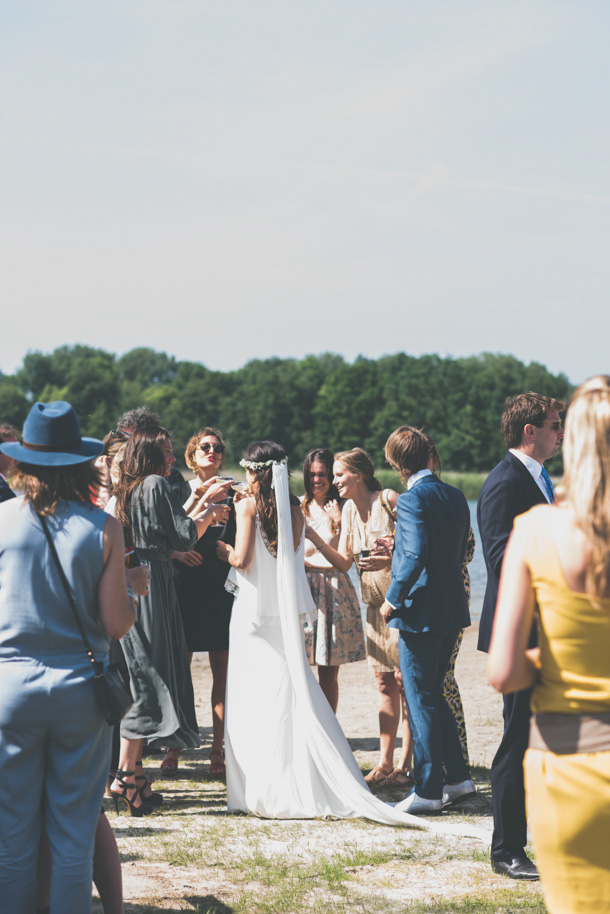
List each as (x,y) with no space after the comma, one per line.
(468,483)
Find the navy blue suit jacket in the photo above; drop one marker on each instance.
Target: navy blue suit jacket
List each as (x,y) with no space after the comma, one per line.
(430,543)
(508,491)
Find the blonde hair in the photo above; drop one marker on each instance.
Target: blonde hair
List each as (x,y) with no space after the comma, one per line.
(357,461)
(586,483)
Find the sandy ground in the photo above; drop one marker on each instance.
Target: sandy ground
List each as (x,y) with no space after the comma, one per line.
(157,878)
(357,711)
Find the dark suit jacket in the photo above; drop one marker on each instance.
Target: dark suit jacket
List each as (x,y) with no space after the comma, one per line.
(5,490)
(508,491)
(427,586)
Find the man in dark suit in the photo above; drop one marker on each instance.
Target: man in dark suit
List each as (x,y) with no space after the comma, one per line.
(427,602)
(532,431)
(7,433)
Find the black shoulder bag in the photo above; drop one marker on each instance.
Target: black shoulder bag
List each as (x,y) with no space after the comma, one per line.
(112,690)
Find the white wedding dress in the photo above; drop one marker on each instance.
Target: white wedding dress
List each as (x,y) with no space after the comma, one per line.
(286,755)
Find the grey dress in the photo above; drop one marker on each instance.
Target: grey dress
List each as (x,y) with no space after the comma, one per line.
(155,650)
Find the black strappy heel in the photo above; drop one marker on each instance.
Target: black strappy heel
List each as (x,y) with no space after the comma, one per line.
(154,799)
(144,809)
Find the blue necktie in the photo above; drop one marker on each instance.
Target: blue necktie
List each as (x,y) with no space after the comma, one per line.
(548,484)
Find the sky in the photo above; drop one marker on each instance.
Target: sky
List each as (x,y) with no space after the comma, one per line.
(232,180)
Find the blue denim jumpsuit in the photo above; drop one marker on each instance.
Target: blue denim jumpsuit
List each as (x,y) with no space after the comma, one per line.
(54,743)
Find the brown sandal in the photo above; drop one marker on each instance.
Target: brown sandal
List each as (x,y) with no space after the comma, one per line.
(377,775)
(399,778)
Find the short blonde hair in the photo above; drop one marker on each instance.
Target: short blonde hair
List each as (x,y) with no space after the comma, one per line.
(586,483)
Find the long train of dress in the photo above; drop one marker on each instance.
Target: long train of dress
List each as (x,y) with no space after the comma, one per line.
(286,754)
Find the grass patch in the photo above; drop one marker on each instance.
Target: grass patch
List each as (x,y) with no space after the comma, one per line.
(192,856)
(505,901)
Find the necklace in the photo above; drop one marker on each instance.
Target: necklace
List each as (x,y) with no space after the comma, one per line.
(364,526)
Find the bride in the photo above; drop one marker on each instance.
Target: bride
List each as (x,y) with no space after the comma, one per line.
(286,754)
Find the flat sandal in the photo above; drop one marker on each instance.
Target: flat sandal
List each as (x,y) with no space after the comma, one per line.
(377,775)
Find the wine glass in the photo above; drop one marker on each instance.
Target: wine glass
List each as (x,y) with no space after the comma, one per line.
(241,487)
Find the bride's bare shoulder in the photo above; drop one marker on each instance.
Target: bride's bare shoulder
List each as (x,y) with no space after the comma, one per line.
(245,507)
(296,513)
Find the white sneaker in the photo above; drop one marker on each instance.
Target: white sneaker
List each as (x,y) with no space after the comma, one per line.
(418,806)
(454,792)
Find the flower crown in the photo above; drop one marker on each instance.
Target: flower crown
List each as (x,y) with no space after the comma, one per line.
(260,465)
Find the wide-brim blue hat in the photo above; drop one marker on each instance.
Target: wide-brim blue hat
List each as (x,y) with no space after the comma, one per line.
(52,438)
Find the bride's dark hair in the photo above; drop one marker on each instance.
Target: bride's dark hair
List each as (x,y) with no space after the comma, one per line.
(264,496)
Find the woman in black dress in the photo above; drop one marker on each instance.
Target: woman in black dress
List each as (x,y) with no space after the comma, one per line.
(200,583)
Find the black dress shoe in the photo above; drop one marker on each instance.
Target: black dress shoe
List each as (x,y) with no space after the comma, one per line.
(520,867)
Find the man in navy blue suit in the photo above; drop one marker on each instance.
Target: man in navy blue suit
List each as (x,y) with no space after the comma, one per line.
(532,432)
(7,433)
(427,602)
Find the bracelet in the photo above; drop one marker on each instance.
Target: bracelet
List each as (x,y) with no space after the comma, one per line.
(132,594)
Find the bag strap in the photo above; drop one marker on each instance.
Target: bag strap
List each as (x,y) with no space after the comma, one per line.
(97,667)
(383,498)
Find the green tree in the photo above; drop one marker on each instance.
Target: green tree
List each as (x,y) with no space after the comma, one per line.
(14,406)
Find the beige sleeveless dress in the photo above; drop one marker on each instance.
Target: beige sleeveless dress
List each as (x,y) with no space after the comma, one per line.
(381,641)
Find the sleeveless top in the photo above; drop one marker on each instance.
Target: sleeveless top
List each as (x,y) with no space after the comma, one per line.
(256,586)
(373,584)
(318,520)
(574,629)
(36,620)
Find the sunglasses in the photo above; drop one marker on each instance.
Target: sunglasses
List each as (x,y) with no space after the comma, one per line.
(206,447)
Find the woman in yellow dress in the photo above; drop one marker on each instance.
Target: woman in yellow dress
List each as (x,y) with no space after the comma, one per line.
(557,571)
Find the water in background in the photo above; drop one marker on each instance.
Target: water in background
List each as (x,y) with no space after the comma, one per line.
(478,573)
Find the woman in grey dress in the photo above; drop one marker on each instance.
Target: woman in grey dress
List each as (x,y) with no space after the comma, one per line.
(54,741)
(163,712)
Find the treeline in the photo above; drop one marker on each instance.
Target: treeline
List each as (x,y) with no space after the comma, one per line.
(316,401)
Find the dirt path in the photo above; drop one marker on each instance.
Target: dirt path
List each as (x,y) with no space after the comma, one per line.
(193,857)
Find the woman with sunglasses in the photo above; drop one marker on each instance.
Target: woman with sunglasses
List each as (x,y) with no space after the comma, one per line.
(200,579)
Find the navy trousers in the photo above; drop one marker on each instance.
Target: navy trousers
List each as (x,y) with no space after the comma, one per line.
(424,659)
(507,787)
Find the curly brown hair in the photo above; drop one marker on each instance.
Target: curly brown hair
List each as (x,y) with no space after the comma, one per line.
(193,443)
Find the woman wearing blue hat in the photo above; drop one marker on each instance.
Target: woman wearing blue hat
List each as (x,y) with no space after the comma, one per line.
(54,741)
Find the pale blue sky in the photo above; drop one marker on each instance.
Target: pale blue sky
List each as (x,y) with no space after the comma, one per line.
(233,180)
